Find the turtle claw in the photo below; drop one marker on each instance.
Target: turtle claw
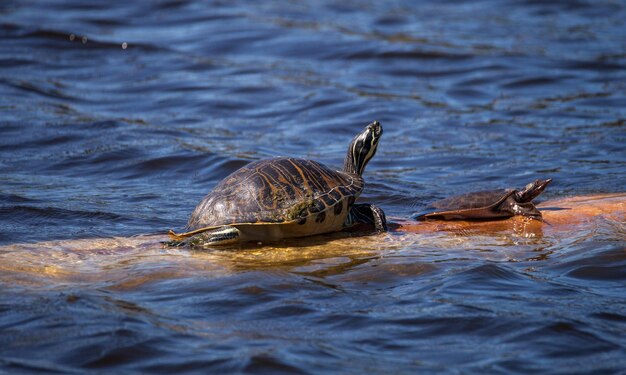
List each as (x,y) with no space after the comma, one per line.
(380,221)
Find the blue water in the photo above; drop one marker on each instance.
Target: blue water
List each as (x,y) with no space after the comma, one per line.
(118,117)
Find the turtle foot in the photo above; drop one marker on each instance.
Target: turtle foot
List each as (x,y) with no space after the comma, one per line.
(369,214)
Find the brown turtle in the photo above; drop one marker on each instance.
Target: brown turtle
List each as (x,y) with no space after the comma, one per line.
(490,204)
(286,197)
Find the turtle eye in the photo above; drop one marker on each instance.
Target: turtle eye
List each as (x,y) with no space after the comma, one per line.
(375,128)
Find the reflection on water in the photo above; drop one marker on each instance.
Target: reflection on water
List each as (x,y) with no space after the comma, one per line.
(118,117)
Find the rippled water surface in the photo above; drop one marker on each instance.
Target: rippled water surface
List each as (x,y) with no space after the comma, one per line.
(118,117)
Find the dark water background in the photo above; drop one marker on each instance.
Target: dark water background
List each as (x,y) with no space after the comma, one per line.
(117,117)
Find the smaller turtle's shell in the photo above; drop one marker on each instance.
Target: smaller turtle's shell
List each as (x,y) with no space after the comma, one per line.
(470,205)
(278,190)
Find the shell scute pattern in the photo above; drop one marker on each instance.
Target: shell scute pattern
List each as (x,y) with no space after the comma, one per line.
(468,201)
(338,208)
(275,191)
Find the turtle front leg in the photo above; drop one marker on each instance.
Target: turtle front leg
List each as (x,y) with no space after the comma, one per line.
(224,235)
(369,214)
(380,220)
(527,209)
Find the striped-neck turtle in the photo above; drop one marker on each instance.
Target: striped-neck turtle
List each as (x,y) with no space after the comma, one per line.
(491,204)
(286,197)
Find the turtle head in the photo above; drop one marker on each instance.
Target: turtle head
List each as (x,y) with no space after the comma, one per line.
(532,190)
(363,148)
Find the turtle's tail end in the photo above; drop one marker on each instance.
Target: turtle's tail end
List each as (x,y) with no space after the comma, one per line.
(205,237)
(175,237)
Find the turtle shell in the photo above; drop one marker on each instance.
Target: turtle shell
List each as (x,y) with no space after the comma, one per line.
(279,190)
(476,205)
